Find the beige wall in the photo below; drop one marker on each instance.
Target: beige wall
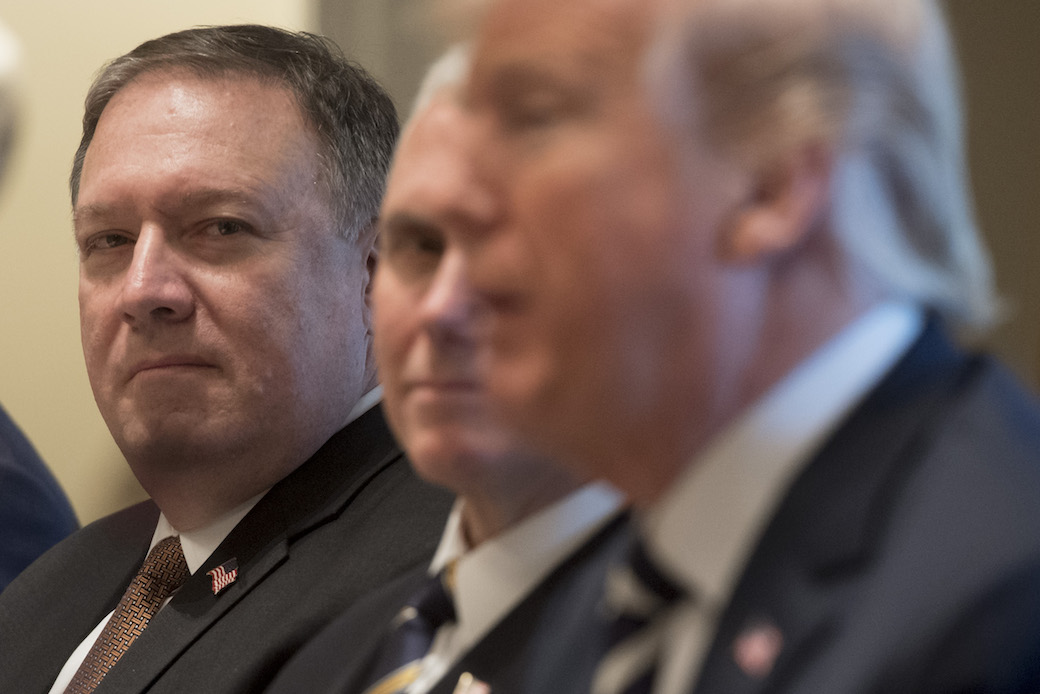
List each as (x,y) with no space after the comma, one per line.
(42,380)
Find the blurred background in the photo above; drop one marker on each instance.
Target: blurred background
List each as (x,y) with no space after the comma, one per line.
(43,384)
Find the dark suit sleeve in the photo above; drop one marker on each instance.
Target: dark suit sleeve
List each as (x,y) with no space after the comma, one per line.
(34,513)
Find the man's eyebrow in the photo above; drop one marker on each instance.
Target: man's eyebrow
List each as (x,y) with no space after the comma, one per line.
(81,214)
(405,221)
(209,196)
(199,198)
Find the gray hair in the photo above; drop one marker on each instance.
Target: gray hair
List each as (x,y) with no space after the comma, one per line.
(873,80)
(353,119)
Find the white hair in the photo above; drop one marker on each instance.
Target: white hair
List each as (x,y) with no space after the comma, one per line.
(873,80)
(10,55)
(448,71)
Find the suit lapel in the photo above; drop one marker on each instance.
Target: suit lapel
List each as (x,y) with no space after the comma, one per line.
(805,568)
(318,490)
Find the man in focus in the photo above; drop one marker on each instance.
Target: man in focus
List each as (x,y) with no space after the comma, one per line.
(224,198)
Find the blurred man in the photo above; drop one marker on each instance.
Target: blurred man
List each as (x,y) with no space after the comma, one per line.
(224,199)
(34,513)
(724,240)
(524,539)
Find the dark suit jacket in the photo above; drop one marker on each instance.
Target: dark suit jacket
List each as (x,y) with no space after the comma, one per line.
(906,557)
(34,513)
(348,520)
(510,657)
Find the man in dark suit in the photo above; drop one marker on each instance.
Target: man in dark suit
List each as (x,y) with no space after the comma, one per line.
(224,197)
(34,513)
(721,246)
(525,537)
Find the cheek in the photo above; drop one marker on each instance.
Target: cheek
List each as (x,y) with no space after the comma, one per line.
(392,319)
(599,236)
(96,333)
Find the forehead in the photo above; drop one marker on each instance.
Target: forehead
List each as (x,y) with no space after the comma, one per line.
(436,133)
(175,126)
(570,35)
(167,98)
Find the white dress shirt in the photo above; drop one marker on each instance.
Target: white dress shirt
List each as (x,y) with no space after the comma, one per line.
(495,576)
(197,545)
(705,527)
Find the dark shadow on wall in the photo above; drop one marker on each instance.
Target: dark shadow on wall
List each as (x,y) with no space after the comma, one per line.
(1000,64)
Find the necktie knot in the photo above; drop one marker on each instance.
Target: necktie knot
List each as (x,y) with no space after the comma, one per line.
(433,603)
(638,593)
(164,570)
(638,589)
(412,632)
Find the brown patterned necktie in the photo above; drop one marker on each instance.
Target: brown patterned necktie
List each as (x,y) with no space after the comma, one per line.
(162,573)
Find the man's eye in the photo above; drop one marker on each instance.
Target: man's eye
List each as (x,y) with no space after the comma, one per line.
(412,248)
(412,237)
(531,113)
(104,242)
(428,245)
(227,227)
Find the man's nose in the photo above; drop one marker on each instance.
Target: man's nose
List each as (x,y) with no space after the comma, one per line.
(155,286)
(450,309)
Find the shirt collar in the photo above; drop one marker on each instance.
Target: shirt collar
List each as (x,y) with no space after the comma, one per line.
(493,576)
(705,526)
(198,544)
(365,403)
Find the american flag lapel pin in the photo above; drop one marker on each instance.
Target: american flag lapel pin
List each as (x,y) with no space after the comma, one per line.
(757,647)
(468,684)
(224,575)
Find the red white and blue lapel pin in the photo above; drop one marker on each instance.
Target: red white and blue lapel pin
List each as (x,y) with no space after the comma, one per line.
(224,575)
(757,647)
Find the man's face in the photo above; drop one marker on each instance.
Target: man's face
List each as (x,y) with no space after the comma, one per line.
(599,270)
(222,313)
(428,321)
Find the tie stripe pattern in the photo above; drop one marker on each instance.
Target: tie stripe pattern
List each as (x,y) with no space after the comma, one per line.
(399,659)
(637,596)
(163,571)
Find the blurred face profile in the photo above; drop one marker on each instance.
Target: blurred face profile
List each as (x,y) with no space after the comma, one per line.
(598,272)
(428,321)
(221,309)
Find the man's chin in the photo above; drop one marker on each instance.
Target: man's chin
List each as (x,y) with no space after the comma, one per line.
(172,437)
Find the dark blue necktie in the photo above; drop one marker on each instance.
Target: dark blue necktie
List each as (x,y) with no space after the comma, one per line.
(398,660)
(638,594)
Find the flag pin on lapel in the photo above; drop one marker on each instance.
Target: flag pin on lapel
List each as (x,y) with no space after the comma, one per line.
(755,650)
(224,575)
(468,684)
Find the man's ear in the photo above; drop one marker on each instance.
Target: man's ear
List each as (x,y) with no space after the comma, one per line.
(368,245)
(784,203)
(368,242)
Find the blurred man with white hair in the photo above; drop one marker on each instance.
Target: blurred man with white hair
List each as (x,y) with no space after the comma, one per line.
(724,245)
(34,513)
(526,536)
